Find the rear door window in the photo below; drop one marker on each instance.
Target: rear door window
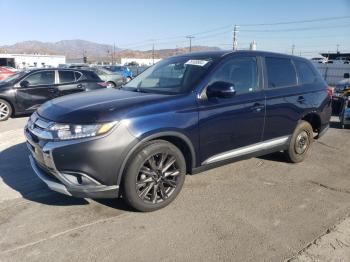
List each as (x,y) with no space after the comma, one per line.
(280,72)
(91,76)
(77,75)
(305,73)
(66,77)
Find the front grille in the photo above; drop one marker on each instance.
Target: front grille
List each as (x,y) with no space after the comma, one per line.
(38,128)
(41,124)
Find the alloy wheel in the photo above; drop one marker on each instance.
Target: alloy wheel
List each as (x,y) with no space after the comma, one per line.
(302,142)
(4,111)
(157,178)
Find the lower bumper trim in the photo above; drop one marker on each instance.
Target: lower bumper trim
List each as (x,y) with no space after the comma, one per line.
(100,191)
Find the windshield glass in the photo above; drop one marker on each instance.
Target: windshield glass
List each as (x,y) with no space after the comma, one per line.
(14,77)
(171,76)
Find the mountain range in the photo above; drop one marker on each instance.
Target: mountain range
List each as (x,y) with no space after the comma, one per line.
(94,51)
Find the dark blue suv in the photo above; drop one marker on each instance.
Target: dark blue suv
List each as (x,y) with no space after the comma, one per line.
(185,114)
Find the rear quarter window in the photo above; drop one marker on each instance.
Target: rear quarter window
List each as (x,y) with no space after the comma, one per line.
(305,73)
(280,72)
(91,76)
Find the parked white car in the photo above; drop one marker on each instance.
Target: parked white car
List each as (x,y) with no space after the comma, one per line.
(321,60)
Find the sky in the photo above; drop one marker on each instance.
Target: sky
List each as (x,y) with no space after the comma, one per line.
(137,24)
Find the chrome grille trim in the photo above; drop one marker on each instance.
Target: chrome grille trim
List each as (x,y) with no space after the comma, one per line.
(39,128)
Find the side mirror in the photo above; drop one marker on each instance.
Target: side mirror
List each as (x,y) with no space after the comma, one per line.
(346,75)
(24,84)
(221,89)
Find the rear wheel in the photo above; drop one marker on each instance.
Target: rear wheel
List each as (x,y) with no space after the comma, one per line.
(5,110)
(300,142)
(154,177)
(111,84)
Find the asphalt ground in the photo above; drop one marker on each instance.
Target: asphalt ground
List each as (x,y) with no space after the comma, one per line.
(261,209)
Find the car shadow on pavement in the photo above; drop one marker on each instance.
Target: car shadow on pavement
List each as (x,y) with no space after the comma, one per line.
(17,175)
(276,157)
(115,203)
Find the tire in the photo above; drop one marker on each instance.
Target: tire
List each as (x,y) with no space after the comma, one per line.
(154,189)
(111,84)
(300,142)
(5,110)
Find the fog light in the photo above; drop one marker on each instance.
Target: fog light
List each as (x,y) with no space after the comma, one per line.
(79,179)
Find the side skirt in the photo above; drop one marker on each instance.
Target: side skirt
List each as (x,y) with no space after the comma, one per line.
(255,150)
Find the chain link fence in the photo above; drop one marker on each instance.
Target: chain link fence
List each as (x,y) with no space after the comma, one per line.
(333,73)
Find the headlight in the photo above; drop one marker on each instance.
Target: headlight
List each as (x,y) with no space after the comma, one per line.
(69,131)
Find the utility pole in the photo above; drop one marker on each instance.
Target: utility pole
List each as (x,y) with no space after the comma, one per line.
(153,52)
(337,48)
(293,48)
(234,42)
(113,53)
(190,37)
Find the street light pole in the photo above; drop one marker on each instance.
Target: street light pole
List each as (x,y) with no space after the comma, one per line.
(234,41)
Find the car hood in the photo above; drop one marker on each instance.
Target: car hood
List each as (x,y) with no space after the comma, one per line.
(96,106)
(4,85)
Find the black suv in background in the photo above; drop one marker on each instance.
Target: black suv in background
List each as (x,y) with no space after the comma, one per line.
(23,92)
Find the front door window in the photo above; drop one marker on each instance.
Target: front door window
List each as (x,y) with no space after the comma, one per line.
(41,78)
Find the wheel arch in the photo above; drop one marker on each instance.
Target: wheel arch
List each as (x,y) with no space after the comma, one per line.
(176,138)
(314,120)
(111,81)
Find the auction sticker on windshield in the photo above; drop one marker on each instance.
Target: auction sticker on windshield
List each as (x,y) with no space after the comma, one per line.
(197,62)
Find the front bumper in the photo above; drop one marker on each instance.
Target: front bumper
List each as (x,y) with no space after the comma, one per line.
(86,167)
(51,180)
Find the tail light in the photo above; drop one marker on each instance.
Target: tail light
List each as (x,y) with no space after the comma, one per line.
(103,84)
(330,91)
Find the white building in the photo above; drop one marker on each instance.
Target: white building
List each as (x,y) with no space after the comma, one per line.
(140,61)
(31,60)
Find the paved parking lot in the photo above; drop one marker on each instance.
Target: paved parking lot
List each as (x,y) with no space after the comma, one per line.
(262,209)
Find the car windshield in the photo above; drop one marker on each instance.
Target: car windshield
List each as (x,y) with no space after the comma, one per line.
(14,77)
(171,76)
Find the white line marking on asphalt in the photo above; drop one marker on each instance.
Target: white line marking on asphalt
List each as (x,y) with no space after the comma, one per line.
(62,233)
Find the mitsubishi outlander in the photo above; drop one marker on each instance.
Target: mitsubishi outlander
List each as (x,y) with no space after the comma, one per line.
(183,115)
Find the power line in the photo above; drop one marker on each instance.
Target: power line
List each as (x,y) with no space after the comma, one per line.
(300,21)
(218,29)
(297,29)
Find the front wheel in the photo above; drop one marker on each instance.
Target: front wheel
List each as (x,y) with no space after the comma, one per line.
(5,110)
(300,142)
(154,176)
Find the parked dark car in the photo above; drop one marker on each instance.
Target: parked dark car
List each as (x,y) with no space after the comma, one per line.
(23,92)
(185,114)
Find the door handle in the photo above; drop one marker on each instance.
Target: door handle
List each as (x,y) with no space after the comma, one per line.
(257,107)
(301,99)
(52,90)
(80,86)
